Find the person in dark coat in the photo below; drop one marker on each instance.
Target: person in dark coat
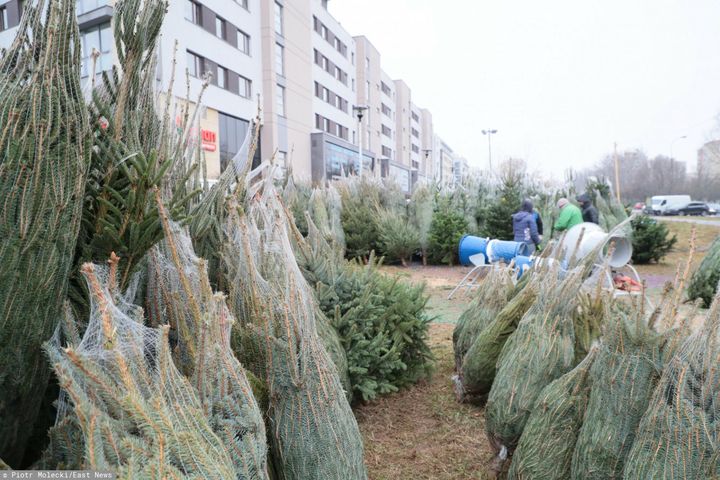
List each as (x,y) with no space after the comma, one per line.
(589,212)
(538,221)
(525,227)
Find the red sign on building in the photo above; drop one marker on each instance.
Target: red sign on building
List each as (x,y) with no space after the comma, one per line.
(209,140)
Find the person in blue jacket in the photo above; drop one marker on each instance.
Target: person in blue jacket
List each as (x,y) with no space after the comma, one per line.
(525,226)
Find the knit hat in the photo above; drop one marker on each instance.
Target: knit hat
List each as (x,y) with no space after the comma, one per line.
(562,202)
(527,205)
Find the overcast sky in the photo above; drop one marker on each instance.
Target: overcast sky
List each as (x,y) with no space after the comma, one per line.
(561,79)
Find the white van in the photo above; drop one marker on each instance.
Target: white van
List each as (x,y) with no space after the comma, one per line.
(661,203)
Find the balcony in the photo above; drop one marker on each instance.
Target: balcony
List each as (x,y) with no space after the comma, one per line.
(93,12)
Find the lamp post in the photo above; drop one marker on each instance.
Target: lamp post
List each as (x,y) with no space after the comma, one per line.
(360,112)
(672,144)
(489,134)
(427,153)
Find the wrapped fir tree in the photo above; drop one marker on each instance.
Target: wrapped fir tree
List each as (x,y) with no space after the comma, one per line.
(44,145)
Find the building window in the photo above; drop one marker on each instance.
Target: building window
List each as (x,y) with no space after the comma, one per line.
(367,63)
(193,12)
(242,3)
(222,77)
(415,148)
(278,19)
(415,117)
(386,110)
(4,23)
(387,152)
(96,38)
(245,87)
(243,40)
(220,28)
(279,59)
(415,133)
(386,90)
(280,100)
(195,64)
(232,135)
(387,131)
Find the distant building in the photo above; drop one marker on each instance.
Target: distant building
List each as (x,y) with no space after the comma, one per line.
(296,61)
(708,161)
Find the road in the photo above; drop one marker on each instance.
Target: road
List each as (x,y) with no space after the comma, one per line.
(697,220)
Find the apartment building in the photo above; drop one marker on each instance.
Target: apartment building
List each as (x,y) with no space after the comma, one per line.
(219,39)
(295,61)
(334,88)
(215,38)
(427,145)
(708,160)
(444,159)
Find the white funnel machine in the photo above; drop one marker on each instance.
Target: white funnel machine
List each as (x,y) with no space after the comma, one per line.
(593,237)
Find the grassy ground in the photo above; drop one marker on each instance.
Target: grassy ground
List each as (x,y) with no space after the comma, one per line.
(422,432)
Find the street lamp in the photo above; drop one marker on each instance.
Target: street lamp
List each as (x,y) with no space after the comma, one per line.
(673,143)
(360,112)
(427,153)
(489,133)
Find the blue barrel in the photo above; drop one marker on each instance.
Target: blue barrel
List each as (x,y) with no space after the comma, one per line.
(469,246)
(523,263)
(501,250)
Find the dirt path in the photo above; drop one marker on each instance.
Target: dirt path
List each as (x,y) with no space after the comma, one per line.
(422,433)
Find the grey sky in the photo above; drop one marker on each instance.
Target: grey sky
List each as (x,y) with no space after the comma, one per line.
(561,80)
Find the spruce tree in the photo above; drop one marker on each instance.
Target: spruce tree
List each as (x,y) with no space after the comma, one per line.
(498,217)
(43,168)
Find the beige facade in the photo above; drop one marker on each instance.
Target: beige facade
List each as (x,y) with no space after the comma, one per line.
(402,123)
(287,101)
(368,74)
(427,144)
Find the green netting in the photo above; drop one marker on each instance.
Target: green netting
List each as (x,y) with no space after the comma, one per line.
(623,378)
(489,298)
(679,433)
(314,434)
(45,148)
(545,450)
(540,350)
(479,365)
(704,282)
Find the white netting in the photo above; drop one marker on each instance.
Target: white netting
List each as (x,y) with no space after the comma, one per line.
(314,432)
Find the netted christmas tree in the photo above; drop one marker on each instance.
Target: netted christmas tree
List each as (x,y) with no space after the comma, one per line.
(45,147)
(623,378)
(314,434)
(546,447)
(538,352)
(478,368)
(678,435)
(126,408)
(490,296)
(704,283)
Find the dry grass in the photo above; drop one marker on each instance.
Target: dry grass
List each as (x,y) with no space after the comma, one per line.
(422,433)
(658,273)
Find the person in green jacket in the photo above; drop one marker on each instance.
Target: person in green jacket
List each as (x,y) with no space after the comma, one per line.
(570,215)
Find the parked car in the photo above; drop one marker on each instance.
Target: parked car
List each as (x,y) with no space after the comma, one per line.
(693,208)
(639,207)
(667,204)
(714,208)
